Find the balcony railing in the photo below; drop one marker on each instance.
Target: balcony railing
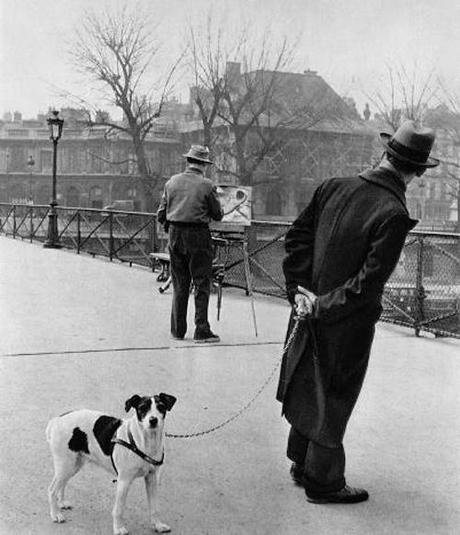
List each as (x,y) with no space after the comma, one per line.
(423,292)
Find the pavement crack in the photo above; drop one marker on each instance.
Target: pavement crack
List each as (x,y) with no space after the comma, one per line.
(127,349)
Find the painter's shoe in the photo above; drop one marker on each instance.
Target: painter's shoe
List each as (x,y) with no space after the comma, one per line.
(206,338)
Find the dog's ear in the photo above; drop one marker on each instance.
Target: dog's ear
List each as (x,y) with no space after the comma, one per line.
(167,400)
(133,401)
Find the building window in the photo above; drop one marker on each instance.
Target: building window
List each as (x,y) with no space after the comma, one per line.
(17,194)
(131,193)
(17,159)
(44,194)
(4,160)
(45,160)
(95,197)
(273,204)
(73,197)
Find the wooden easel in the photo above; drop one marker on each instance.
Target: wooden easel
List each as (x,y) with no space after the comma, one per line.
(226,237)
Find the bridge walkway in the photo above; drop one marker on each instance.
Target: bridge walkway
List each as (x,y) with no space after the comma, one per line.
(82,332)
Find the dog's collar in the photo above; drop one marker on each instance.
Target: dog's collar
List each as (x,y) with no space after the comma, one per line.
(131,445)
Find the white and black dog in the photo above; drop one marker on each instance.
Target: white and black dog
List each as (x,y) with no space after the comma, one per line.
(128,448)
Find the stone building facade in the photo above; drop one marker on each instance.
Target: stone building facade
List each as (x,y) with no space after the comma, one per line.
(317,134)
(92,170)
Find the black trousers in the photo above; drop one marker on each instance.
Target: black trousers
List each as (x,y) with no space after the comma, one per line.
(324,468)
(191,255)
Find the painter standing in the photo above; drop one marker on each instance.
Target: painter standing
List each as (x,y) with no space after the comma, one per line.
(190,201)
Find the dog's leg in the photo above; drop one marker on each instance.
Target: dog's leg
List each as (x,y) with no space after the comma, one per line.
(55,513)
(64,469)
(120,501)
(152,480)
(62,503)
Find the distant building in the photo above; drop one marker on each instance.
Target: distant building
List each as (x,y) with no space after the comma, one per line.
(316,133)
(93,170)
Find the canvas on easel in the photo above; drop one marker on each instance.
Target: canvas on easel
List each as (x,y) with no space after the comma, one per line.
(236,203)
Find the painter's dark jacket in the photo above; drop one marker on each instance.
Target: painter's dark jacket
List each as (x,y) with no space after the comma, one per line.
(343,247)
(189,197)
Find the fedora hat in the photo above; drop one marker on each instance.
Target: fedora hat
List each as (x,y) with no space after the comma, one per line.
(410,144)
(199,153)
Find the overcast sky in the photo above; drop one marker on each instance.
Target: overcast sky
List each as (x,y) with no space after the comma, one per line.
(349,42)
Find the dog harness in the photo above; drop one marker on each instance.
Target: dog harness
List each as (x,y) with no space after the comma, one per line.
(131,445)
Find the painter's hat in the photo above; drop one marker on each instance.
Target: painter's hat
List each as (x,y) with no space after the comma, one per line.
(199,153)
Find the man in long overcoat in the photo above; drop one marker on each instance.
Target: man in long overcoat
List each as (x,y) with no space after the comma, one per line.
(340,252)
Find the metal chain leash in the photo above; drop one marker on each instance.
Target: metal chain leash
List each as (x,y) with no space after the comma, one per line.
(261,389)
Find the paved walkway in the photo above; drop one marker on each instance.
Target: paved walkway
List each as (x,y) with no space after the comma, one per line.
(82,332)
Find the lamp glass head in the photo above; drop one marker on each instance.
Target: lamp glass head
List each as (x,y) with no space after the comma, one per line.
(55,125)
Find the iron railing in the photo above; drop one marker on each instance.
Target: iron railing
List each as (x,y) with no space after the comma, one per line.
(423,293)
(124,236)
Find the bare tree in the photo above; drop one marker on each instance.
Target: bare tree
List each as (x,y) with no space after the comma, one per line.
(404,95)
(424,99)
(244,99)
(116,50)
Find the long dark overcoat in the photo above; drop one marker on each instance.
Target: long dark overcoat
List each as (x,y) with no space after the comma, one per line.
(343,247)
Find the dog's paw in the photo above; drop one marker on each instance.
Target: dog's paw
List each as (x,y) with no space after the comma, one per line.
(59,518)
(120,531)
(65,505)
(159,527)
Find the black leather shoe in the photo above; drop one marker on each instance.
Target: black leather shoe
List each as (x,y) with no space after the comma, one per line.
(206,338)
(345,495)
(296,472)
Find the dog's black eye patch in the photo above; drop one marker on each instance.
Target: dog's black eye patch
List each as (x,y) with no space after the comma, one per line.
(161,407)
(143,408)
(78,441)
(164,402)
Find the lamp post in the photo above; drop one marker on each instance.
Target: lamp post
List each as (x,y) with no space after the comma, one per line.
(55,125)
(30,165)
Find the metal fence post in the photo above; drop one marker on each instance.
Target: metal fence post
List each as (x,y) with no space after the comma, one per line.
(419,289)
(31,212)
(154,236)
(78,231)
(14,221)
(111,247)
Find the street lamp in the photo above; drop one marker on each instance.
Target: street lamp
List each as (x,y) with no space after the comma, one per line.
(30,165)
(55,125)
